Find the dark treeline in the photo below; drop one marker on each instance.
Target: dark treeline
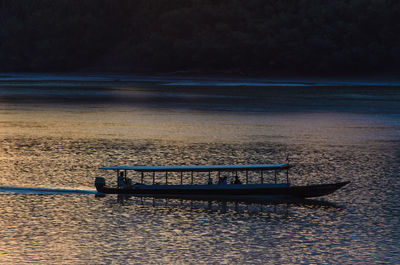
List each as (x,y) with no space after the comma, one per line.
(249,36)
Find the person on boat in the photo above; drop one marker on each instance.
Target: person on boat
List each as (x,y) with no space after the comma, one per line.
(210,181)
(237,180)
(121,180)
(224,181)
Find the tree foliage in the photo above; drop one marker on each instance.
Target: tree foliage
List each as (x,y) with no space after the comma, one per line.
(263,36)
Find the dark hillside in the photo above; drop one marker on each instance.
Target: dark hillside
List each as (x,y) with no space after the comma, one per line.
(262,36)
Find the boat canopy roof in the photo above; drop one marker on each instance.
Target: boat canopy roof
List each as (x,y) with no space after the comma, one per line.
(201,168)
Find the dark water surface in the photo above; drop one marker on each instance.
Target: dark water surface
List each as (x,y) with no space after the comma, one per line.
(55,134)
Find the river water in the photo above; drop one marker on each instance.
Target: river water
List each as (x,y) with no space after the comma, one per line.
(56,131)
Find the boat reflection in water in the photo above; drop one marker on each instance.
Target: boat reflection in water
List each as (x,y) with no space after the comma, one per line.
(279,207)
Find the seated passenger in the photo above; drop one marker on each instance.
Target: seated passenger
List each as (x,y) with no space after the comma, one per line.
(121,180)
(237,180)
(210,181)
(128,182)
(224,181)
(219,180)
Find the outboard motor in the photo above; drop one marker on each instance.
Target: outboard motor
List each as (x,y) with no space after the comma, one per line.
(99,183)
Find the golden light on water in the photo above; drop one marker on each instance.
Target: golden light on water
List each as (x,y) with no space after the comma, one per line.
(61,145)
(191,125)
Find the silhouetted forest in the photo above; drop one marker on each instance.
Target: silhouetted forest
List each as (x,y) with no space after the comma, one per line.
(237,36)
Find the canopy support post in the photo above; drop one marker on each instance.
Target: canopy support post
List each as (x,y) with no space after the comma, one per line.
(262,177)
(166,177)
(181,177)
(141,180)
(247,177)
(191,176)
(287,176)
(236,177)
(275,176)
(154,176)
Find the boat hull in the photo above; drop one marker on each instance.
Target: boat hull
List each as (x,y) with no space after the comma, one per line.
(221,191)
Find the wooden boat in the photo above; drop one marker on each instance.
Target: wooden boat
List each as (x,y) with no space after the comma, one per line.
(221,190)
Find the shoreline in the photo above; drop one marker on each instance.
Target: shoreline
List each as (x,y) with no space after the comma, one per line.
(176,79)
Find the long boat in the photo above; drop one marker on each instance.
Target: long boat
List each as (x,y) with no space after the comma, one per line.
(220,190)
